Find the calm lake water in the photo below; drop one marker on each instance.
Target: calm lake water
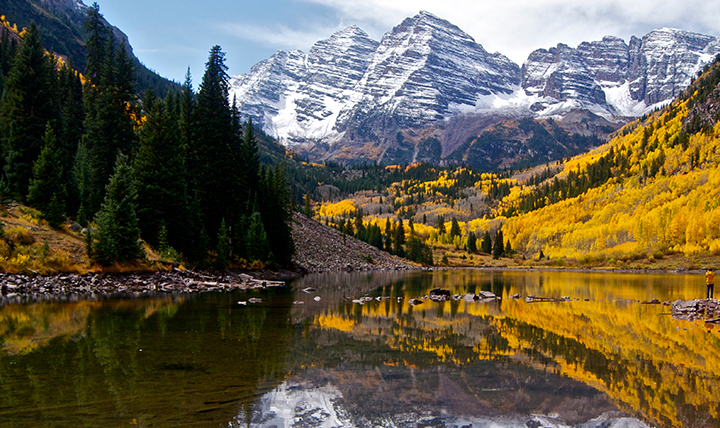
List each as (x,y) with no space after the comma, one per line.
(603,359)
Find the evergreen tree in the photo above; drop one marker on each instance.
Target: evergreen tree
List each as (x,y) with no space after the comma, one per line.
(472,243)
(160,175)
(388,235)
(30,102)
(308,208)
(257,242)
(276,214)
(47,188)
(109,127)
(215,155)
(508,248)
(117,235)
(486,243)
(455,228)
(498,249)
(97,39)
(251,160)
(224,249)
(399,240)
(73,116)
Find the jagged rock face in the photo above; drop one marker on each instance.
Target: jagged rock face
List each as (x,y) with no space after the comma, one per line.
(298,96)
(612,77)
(352,98)
(426,66)
(420,72)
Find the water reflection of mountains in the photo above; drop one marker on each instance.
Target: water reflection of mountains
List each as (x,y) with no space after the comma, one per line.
(654,367)
(206,360)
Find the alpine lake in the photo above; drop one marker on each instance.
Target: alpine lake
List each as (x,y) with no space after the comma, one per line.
(306,355)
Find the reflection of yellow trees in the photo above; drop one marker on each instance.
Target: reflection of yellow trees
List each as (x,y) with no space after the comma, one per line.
(24,328)
(634,352)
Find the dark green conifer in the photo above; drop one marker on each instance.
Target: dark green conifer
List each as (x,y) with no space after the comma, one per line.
(399,240)
(486,243)
(30,102)
(499,248)
(117,236)
(224,249)
(472,243)
(441,224)
(160,175)
(274,205)
(257,242)
(47,187)
(454,228)
(214,153)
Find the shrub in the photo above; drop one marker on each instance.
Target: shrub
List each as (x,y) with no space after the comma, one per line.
(19,236)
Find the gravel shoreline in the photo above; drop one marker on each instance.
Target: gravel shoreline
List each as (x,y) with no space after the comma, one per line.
(23,289)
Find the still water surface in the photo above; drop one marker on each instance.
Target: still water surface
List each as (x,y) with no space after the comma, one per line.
(604,359)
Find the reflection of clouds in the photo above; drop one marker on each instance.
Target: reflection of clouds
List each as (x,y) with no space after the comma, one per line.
(303,403)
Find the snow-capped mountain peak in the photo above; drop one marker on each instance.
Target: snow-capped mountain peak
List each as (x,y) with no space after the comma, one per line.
(427,78)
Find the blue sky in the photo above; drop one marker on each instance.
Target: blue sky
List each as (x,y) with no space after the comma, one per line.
(170,36)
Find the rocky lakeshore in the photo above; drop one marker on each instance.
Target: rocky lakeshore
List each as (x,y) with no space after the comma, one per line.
(320,248)
(23,288)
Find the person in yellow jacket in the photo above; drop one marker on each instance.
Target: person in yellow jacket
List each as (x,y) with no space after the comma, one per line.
(710,281)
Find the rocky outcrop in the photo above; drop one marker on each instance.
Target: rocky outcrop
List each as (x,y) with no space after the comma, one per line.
(354,99)
(319,248)
(614,78)
(350,90)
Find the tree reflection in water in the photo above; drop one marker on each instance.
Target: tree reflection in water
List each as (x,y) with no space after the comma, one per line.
(207,361)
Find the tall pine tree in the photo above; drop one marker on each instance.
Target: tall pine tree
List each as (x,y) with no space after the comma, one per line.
(160,175)
(214,155)
(118,233)
(30,102)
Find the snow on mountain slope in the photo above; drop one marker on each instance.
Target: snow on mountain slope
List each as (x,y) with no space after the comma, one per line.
(614,78)
(418,70)
(427,78)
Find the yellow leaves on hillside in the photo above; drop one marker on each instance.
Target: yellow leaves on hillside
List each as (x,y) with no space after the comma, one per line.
(429,187)
(337,209)
(669,200)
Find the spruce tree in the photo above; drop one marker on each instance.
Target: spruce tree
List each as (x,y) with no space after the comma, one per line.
(109,127)
(117,236)
(251,160)
(399,240)
(30,102)
(160,175)
(498,248)
(215,152)
(73,116)
(472,243)
(224,250)
(486,243)
(97,37)
(454,228)
(257,243)
(47,187)
(276,214)
(441,224)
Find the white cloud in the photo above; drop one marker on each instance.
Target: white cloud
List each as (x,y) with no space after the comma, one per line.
(517,27)
(280,37)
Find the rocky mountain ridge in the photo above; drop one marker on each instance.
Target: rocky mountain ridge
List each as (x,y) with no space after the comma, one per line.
(351,98)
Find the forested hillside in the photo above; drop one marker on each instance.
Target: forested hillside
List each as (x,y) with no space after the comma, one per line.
(179,173)
(61,27)
(651,192)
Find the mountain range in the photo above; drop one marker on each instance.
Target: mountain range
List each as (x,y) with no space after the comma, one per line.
(428,91)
